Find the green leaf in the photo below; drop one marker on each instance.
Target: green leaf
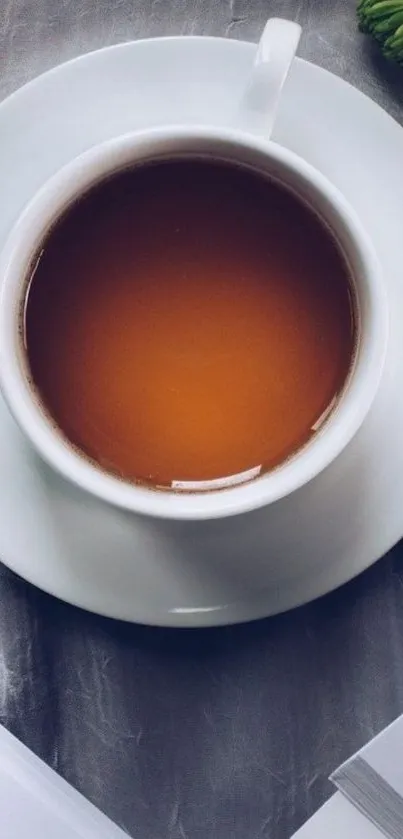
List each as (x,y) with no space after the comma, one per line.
(390,24)
(383,19)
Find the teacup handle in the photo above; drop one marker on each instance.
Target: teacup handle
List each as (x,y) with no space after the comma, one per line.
(274,56)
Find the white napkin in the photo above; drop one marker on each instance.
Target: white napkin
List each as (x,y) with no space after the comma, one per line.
(35,803)
(369,804)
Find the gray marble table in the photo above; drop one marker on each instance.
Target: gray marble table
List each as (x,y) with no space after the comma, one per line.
(216,734)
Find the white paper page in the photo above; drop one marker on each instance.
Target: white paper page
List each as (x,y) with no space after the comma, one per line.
(338,819)
(36,803)
(385,754)
(370,802)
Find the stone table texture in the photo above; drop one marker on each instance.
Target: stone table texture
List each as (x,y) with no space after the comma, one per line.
(211,734)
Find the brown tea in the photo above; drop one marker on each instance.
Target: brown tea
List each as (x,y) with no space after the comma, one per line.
(189,321)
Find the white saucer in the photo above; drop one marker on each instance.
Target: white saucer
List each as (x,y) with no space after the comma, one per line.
(238,569)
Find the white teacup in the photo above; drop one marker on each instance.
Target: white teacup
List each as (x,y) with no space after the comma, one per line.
(247,143)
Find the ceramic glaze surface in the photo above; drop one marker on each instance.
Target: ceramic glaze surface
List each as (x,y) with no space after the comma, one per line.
(174,733)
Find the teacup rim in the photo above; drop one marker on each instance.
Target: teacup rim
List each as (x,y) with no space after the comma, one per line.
(23,242)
